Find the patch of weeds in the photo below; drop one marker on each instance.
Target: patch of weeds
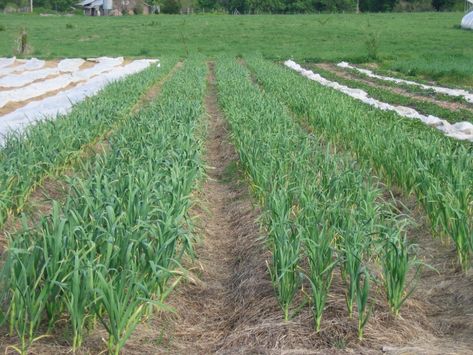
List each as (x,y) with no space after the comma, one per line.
(69,26)
(22,46)
(144,51)
(372,43)
(323,21)
(231,173)
(340,343)
(2,28)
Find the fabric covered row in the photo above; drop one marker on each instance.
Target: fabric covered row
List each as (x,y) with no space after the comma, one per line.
(460,131)
(439,89)
(58,83)
(61,103)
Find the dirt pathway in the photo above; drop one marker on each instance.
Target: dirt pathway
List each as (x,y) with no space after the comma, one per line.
(449,105)
(208,308)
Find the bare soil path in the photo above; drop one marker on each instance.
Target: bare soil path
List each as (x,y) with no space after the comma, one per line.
(231,267)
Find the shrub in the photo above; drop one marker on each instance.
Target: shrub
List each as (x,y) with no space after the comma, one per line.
(138,9)
(171,7)
(412,6)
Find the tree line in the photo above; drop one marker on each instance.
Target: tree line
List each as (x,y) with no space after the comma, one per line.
(269,6)
(311,6)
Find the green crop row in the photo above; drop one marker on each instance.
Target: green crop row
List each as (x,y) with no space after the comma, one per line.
(417,158)
(28,157)
(108,255)
(414,89)
(385,95)
(322,211)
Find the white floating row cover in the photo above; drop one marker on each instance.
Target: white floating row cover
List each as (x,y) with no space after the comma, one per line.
(6,62)
(467,21)
(30,64)
(439,89)
(62,102)
(29,92)
(460,131)
(27,77)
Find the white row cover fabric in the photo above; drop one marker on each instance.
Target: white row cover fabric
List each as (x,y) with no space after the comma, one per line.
(460,131)
(27,77)
(58,83)
(5,62)
(70,64)
(30,64)
(467,21)
(62,102)
(441,90)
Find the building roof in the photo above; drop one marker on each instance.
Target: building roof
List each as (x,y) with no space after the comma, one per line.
(93,3)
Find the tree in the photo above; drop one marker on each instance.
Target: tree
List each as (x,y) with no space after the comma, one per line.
(207,4)
(171,7)
(441,5)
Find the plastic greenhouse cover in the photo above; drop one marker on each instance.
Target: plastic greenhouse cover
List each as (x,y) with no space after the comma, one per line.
(27,77)
(441,90)
(30,64)
(41,88)
(62,102)
(467,21)
(460,131)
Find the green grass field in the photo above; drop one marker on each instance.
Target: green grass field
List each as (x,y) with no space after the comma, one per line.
(430,44)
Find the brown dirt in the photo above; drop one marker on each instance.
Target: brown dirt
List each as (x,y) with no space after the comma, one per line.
(454,106)
(51,63)
(87,64)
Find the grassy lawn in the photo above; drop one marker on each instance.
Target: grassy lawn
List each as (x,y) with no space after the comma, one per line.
(428,44)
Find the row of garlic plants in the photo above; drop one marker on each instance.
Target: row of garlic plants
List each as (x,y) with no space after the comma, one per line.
(109,254)
(386,94)
(27,157)
(320,208)
(406,153)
